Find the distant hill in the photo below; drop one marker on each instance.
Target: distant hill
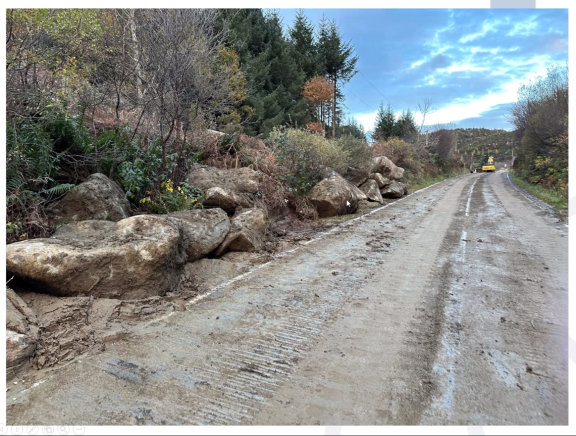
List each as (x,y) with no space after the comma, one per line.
(473,143)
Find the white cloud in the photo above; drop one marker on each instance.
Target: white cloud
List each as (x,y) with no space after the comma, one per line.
(488,26)
(472,107)
(418,63)
(367,120)
(457,67)
(524,28)
(469,107)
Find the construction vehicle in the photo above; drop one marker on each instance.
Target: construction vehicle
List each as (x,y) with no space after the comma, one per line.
(488,164)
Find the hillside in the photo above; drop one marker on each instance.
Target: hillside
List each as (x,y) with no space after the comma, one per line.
(473,143)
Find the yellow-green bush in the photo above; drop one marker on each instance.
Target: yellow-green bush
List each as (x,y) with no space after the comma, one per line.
(399,152)
(304,156)
(358,153)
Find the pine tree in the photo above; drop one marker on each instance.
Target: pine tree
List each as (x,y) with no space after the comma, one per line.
(305,52)
(386,125)
(379,124)
(354,128)
(406,126)
(338,61)
(273,78)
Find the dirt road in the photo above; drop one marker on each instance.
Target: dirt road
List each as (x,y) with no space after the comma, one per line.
(447,307)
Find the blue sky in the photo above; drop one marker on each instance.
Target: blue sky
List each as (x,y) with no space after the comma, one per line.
(469,62)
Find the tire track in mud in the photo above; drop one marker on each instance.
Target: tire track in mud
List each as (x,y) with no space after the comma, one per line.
(494,366)
(222,360)
(449,289)
(389,342)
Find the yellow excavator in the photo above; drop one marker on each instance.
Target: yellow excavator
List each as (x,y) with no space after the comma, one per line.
(488,164)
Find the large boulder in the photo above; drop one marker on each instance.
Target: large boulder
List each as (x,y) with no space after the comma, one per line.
(380,179)
(134,258)
(226,200)
(356,176)
(394,190)
(247,232)
(360,195)
(386,167)
(96,198)
(203,230)
(370,188)
(21,330)
(237,180)
(335,196)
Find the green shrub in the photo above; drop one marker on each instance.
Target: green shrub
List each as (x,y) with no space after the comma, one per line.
(66,132)
(304,156)
(33,166)
(168,200)
(358,153)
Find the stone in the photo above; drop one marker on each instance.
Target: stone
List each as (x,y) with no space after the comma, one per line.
(137,257)
(247,232)
(370,188)
(226,200)
(393,190)
(236,180)
(384,166)
(356,176)
(203,230)
(96,198)
(21,330)
(335,196)
(380,179)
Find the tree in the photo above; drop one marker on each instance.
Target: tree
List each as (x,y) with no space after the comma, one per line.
(540,115)
(48,55)
(274,80)
(406,126)
(305,48)
(338,60)
(319,92)
(386,125)
(186,72)
(444,144)
(353,128)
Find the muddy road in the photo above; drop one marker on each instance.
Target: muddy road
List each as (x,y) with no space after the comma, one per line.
(447,307)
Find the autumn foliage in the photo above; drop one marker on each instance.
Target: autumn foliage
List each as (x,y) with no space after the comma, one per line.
(318,92)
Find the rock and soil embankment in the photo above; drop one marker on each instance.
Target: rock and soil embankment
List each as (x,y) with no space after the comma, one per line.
(103,270)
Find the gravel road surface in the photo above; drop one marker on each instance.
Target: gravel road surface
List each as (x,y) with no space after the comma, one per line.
(446,307)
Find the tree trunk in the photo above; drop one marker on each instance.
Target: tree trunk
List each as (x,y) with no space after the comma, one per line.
(132,23)
(334,111)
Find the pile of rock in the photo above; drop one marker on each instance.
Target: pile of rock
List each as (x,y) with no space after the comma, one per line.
(227,189)
(100,252)
(336,195)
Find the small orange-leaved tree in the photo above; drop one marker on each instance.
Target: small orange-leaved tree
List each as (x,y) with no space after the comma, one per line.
(319,91)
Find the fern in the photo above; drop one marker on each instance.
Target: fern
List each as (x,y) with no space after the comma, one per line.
(58,189)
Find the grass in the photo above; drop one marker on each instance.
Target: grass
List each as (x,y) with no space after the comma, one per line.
(422,183)
(548,196)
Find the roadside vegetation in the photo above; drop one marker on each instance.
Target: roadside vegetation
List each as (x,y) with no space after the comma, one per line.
(541,120)
(550,196)
(143,95)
